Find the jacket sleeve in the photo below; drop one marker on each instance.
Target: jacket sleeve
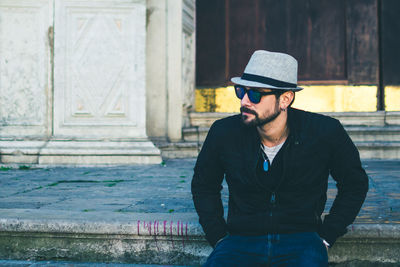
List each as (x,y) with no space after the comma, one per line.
(206,188)
(351,182)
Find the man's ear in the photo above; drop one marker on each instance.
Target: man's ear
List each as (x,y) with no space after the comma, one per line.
(286,99)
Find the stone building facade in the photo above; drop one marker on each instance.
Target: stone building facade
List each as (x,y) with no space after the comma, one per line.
(87,82)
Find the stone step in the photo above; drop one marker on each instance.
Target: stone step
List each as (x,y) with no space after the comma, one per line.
(374,133)
(195,134)
(174,150)
(59,152)
(357,133)
(161,239)
(368,150)
(379,149)
(378,118)
(137,238)
(373,142)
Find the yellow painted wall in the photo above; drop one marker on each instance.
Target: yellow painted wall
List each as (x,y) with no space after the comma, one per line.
(317,98)
(221,99)
(392,98)
(337,98)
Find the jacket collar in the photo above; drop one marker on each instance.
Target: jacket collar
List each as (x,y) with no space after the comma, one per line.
(295,125)
(251,144)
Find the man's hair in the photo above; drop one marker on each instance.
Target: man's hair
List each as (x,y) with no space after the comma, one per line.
(294,96)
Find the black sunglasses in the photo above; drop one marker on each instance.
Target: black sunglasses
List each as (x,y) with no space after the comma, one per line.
(254,95)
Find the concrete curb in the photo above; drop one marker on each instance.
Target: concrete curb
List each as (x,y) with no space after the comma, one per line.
(143,224)
(373,243)
(124,238)
(156,239)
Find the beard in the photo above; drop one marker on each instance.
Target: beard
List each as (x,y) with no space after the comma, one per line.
(259,121)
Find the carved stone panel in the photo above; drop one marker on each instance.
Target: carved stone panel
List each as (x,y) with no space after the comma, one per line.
(99,74)
(25,67)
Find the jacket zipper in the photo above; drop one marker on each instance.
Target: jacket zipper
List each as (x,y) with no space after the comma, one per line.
(272,201)
(273,192)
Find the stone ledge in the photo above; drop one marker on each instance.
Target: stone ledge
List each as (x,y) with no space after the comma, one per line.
(182,149)
(98,237)
(393,118)
(79,152)
(154,239)
(378,118)
(357,133)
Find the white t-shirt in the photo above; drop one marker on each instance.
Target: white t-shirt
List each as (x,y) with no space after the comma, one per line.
(271,151)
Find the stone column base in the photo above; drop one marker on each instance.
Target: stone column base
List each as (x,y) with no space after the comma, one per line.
(79,152)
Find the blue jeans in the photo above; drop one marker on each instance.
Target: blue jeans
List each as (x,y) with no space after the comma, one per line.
(298,249)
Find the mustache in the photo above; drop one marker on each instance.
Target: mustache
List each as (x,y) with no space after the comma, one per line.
(247,110)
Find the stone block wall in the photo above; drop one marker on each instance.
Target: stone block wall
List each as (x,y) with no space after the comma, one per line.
(77,78)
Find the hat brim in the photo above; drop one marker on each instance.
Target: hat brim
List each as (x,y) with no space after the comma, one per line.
(240,81)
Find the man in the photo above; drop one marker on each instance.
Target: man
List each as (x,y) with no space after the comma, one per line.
(276,161)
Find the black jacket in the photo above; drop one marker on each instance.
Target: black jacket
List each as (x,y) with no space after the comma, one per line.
(316,147)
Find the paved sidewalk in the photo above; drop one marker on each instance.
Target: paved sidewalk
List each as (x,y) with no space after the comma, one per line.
(163,188)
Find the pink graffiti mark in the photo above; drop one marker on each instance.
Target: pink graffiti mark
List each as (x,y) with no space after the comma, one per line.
(156,233)
(186,232)
(179,231)
(182,228)
(170,229)
(150,228)
(153,229)
(183,238)
(144,225)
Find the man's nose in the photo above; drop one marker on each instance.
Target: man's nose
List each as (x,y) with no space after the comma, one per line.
(245,100)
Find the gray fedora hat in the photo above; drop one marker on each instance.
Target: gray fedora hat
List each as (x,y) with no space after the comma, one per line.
(270,70)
